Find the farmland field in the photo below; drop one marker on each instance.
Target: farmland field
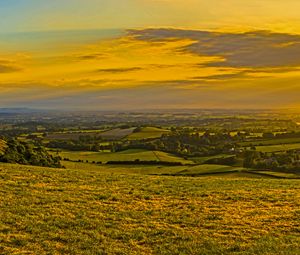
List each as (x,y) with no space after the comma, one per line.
(279,174)
(271,142)
(209,169)
(148,132)
(281,147)
(91,211)
(71,135)
(117,133)
(201,160)
(120,169)
(113,134)
(128,155)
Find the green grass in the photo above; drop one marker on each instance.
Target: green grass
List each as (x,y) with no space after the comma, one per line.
(279,174)
(201,160)
(113,134)
(73,135)
(128,155)
(90,212)
(271,142)
(200,170)
(132,169)
(209,169)
(117,133)
(147,133)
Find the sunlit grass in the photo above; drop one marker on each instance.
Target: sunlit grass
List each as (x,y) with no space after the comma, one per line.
(82,211)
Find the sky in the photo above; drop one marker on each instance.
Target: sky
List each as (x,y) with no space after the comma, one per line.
(149,54)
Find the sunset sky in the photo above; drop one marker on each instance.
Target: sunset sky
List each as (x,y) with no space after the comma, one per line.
(149,54)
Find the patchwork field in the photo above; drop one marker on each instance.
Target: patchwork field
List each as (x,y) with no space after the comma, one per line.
(128,155)
(100,211)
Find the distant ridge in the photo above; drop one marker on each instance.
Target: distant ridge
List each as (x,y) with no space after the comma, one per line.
(19,110)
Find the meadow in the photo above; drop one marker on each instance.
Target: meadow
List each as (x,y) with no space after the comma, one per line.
(99,210)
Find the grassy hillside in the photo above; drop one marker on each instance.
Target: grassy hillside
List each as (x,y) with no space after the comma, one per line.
(91,211)
(148,132)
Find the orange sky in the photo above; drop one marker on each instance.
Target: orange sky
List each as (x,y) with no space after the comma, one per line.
(150,54)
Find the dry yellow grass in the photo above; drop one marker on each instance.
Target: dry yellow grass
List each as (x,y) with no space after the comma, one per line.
(73,211)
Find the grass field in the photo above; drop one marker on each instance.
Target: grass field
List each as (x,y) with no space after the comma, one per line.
(90,212)
(148,132)
(72,135)
(209,169)
(113,134)
(275,148)
(279,174)
(128,155)
(271,142)
(132,169)
(201,160)
(200,170)
(117,133)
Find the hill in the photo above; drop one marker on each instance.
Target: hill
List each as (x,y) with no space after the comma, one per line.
(95,211)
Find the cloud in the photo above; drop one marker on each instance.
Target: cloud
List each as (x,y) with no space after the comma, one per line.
(159,68)
(228,76)
(91,56)
(257,49)
(7,67)
(119,70)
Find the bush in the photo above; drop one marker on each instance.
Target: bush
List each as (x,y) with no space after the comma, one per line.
(27,154)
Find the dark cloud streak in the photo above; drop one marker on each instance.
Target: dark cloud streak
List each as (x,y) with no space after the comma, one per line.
(257,49)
